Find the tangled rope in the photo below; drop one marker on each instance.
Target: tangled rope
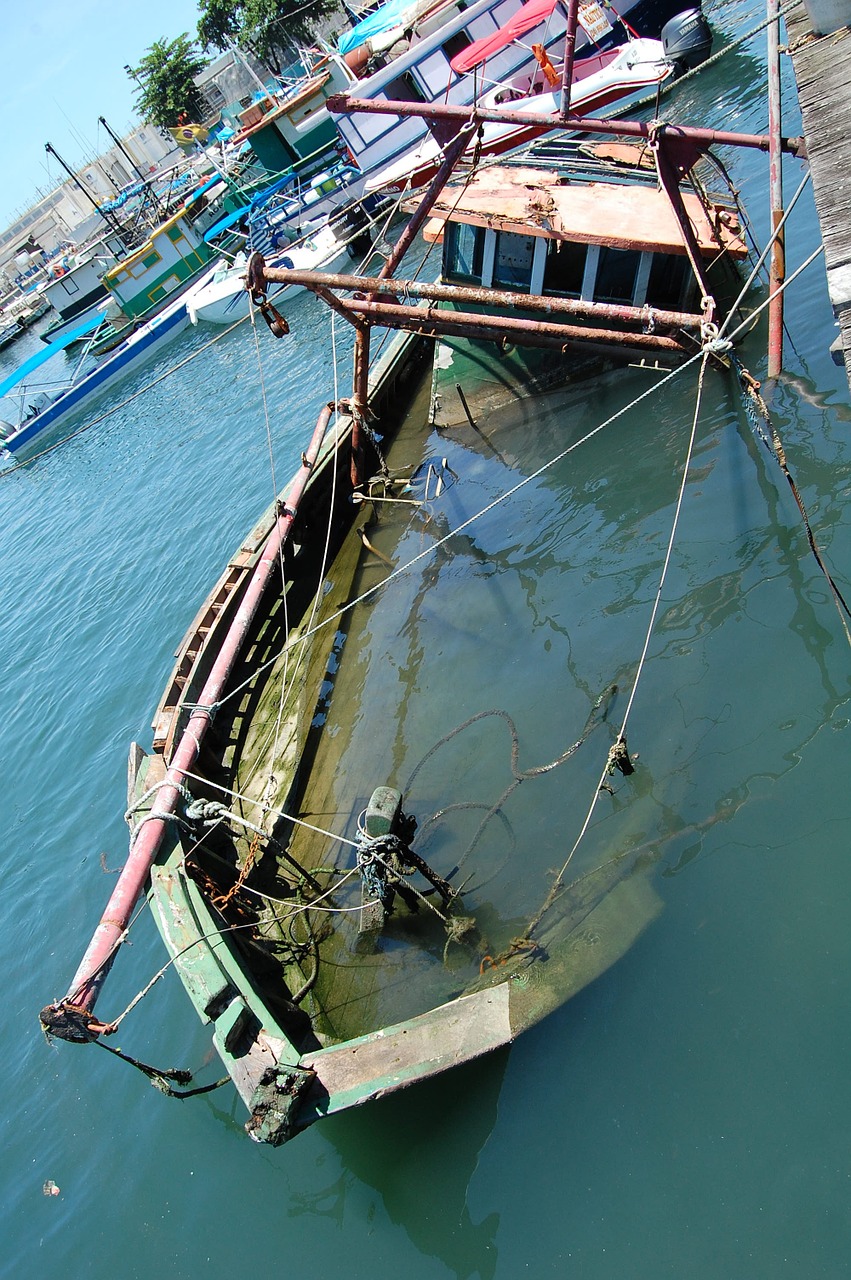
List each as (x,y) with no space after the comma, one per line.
(757,413)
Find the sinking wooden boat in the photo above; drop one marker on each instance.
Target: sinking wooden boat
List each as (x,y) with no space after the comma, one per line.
(381,828)
(336,954)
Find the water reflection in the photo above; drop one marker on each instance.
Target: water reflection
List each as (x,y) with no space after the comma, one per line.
(419,1150)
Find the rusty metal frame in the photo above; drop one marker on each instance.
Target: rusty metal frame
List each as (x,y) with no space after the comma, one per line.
(340,103)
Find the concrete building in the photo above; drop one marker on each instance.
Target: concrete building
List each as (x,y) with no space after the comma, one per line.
(66,215)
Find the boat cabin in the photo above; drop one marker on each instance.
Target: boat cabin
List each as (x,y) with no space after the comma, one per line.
(80,286)
(169,258)
(603,240)
(531,232)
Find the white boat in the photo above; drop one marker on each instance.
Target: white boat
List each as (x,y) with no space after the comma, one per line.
(599,80)
(76,289)
(223,299)
(456,58)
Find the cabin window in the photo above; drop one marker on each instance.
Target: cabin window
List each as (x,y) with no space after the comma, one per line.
(367,129)
(403,89)
(433,74)
(456,44)
(175,233)
(70,286)
(463,252)
(669,275)
(512,265)
(150,260)
(564,268)
(616,272)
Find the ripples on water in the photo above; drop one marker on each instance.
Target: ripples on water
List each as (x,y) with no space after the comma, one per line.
(684,1116)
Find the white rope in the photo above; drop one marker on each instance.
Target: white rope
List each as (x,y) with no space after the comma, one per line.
(287,681)
(762,257)
(746,323)
(269,810)
(621,737)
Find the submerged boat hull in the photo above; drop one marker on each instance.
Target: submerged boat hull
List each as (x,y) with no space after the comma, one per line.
(289,1069)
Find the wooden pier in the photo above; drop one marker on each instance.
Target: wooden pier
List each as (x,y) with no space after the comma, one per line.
(822,66)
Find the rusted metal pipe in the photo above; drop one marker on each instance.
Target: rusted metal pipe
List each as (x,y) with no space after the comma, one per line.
(569,52)
(777,270)
(452,154)
(322,281)
(109,934)
(436,323)
(670,183)
(360,397)
(340,103)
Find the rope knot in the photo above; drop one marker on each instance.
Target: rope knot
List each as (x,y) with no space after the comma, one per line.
(206,812)
(710,334)
(619,758)
(648,318)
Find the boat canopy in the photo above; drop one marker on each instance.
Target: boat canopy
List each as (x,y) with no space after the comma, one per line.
(52,349)
(224,224)
(527,17)
(396,13)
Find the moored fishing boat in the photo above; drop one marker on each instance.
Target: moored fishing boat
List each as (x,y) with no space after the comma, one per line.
(222,299)
(410,633)
(37,410)
(599,80)
(511,51)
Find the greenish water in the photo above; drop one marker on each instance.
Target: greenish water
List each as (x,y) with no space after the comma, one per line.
(688,1114)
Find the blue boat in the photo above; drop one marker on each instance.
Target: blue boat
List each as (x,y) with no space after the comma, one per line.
(36,408)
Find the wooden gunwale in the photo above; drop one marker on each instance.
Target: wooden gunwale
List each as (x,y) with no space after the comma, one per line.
(111,931)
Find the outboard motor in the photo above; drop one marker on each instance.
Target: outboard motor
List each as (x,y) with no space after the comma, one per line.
(687,40)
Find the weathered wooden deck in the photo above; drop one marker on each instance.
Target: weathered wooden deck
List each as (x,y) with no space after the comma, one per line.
(823,73)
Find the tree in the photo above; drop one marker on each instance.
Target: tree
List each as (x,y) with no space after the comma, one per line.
(166,76)
(268,28)
(220,23)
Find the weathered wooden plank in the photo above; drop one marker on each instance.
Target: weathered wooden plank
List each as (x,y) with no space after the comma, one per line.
(823,76)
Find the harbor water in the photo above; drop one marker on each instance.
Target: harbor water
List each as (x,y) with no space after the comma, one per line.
(688,1113)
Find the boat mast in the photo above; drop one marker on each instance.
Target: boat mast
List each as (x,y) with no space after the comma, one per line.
(136,169)
(110,222)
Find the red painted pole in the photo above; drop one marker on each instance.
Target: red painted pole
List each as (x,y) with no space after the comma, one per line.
(109,934)
(777,271)
(590,124)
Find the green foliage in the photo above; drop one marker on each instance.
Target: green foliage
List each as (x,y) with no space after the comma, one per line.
(268,28)
(166,75)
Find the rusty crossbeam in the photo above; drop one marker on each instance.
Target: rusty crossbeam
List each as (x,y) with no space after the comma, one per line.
(534,333)
(344,105)
(322,282)
(668,178)
(453,152)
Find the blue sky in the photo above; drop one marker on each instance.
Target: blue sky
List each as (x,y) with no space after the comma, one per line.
(63,66)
